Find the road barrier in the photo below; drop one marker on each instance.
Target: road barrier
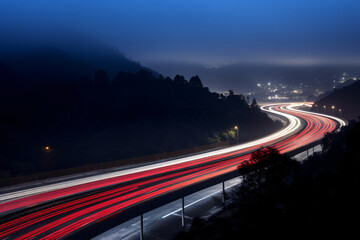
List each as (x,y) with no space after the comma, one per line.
(51,176)
(143,207)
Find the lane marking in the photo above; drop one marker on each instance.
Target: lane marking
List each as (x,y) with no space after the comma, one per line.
(178,210)
(294,124)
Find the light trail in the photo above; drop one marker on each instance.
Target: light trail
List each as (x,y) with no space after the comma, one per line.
(133,186)
(293,126)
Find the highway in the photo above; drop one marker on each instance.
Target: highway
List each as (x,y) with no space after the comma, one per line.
(119,190)
(203,203)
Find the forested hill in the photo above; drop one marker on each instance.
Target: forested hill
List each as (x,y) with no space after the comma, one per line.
(100,119)
(70,57)
(342,102)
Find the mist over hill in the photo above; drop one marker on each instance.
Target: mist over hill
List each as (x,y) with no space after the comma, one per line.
(243,77)
(88,103)
(60,56)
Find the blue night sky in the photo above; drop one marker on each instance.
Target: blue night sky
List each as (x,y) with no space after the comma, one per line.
(203,32)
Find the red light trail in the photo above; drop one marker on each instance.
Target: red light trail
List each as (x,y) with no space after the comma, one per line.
(57,221)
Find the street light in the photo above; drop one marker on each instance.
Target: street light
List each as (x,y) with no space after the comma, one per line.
(47,149)
(340,111)
(237,134)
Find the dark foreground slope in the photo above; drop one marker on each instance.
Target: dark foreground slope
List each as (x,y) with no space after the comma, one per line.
(319,198)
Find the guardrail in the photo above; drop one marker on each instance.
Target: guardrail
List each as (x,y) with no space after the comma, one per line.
(103,225)
(143,207)
(51,176)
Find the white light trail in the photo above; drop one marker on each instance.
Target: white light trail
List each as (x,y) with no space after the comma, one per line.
(339,120)
(293,126)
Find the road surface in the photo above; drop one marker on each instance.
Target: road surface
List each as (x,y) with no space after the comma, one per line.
(114,192)
(156,223)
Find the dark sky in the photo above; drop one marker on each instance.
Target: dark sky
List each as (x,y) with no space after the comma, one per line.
(209,33)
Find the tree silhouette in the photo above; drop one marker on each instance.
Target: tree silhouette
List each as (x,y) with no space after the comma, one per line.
(317,197)
(101,79)
(254,103)
(180,80)
(87,121)
(195,82)
(266,165)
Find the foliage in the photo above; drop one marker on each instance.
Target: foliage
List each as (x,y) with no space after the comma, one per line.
(321,199)
(265,166)
(97,119)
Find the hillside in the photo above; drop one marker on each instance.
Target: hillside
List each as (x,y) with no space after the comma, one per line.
(59,124)
(75,58)
(346,102)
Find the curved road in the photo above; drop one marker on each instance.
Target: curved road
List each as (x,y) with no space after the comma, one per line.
(124,189)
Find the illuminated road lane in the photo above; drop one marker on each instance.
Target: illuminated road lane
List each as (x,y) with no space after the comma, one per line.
(200,204)
(89,183)
(60,220)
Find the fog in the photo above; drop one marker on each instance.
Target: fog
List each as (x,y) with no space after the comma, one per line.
(243,78)
(228,44)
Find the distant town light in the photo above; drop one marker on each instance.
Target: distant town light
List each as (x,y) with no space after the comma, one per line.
(259,85)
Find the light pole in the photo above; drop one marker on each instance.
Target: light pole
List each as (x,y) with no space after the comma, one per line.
(333,108)
(237,134)
(340,111)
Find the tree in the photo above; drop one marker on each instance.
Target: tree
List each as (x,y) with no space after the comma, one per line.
(101,79)
(195,82)
(266,165)
(168,80)
(180,80)
(254,103)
